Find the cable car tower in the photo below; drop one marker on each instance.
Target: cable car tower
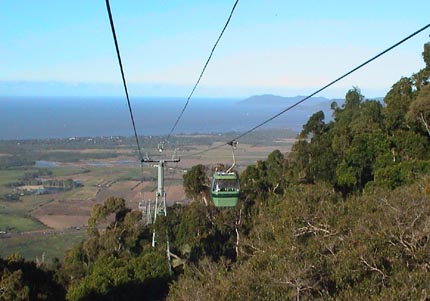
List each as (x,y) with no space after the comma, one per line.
(160,196)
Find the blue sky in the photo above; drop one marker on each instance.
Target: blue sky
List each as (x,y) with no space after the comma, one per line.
(281,47)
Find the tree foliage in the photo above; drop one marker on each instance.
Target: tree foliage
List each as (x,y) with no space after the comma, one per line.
(196,182)
(116,264)
(313,245)
(368,144)
(24,280)
(420,109)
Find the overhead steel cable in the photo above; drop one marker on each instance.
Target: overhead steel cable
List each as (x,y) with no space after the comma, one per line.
(314,93)
(123,77)
(203,71)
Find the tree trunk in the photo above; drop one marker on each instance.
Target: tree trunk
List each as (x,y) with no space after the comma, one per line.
(205,200)
(393,151)
(426,124)
(236,225)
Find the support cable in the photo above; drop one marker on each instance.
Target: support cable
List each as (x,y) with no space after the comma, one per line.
(123,78)
(314,93)
(203,71)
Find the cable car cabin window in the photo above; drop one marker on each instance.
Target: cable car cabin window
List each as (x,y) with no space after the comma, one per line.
(225,185)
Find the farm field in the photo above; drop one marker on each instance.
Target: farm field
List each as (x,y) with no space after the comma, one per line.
(82,175)
(41,245)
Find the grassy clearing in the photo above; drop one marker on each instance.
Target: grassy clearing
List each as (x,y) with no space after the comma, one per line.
(114,173)
(18,223)
(7,176)
(82,193)
(30,246)
(245,153)
(63,171)
(26,204)
(123,185)
(173,182)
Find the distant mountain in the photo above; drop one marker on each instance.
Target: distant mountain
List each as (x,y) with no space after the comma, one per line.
(304,109)
(281,101)
(275,100)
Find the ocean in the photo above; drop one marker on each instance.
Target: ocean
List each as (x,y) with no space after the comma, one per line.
(65,117)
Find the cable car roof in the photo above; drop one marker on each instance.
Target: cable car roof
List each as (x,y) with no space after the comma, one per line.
(225,175)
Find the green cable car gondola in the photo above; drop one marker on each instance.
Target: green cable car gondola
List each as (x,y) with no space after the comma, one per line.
(225,189)
(225,185)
